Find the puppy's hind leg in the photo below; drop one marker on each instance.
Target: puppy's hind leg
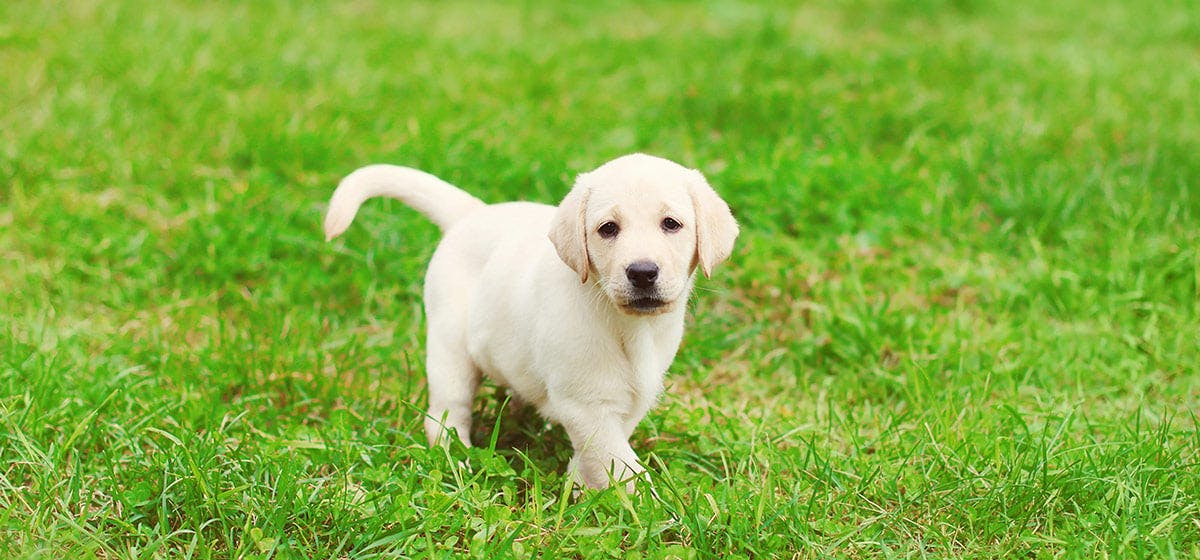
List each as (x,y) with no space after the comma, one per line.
(452,380)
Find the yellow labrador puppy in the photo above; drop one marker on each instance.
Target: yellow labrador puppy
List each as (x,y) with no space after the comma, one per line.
(578,310)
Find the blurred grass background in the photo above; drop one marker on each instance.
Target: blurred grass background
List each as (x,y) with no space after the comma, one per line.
(961,320)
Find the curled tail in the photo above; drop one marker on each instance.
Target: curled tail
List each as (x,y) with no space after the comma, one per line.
(442,202)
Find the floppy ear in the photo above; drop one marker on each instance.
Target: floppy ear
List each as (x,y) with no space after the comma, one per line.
(716,229)
(568,231)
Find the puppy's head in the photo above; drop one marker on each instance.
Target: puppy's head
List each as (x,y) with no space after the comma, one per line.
(642,225)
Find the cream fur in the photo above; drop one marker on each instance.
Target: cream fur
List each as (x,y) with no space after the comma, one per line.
(537,299)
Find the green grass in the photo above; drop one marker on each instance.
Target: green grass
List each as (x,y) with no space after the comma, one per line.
(961,322)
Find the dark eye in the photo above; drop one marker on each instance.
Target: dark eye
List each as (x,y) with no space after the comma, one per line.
(609,230)
(669,224)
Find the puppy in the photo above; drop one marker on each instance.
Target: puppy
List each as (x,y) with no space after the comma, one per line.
(578,310)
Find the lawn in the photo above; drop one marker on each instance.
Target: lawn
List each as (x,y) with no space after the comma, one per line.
(961,321)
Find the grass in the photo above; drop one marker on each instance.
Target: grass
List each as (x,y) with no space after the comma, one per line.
(961,322)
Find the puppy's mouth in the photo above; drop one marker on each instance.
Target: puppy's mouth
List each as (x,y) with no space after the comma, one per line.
(646,305)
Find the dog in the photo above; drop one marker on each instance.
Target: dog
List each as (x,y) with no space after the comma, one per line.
(578,310)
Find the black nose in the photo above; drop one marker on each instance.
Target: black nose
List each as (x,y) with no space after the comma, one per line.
(642,274)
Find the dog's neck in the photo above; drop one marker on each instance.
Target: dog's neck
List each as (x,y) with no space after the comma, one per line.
(649,344)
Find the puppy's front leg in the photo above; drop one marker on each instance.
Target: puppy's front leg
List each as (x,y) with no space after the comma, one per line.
(601,451)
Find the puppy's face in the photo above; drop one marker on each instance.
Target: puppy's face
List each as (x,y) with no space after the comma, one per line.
(641,225)
(641,241)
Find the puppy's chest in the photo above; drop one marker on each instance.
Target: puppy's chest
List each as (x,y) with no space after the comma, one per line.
(648,354)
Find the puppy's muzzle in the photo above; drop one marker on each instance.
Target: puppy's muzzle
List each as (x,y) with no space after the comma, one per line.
(646,299)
